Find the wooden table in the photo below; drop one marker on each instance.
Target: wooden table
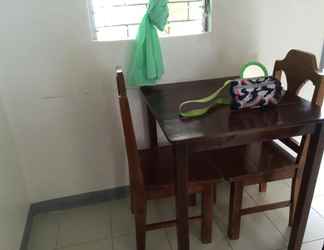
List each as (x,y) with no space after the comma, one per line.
(225,128)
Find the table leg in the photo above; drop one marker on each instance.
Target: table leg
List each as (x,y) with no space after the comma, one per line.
(181,171)
(152,129)
(311,169)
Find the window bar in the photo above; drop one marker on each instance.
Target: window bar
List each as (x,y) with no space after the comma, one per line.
(139,4)
(92,22)
(173,21)
(188,10)
(127,30)
(206,15)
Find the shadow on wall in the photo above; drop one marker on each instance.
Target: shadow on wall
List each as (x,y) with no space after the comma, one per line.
(238,28)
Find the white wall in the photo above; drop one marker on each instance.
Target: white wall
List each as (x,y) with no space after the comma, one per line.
(13,198)
(59,90)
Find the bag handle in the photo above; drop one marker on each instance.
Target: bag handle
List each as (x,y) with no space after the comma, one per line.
(213,99)
(245,67)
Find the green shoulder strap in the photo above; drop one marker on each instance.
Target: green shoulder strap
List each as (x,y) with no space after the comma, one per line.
(211,101)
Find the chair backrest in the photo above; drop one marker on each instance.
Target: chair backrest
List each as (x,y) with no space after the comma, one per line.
(134,164)
(299,68)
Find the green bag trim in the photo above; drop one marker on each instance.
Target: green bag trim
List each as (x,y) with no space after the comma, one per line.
(244,67)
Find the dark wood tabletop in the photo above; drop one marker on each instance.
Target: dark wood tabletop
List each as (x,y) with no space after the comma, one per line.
(163,101)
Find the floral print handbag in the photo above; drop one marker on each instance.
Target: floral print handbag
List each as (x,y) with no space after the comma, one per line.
(255,92)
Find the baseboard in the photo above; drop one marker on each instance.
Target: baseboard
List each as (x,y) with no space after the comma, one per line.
(79,200)
(70,202)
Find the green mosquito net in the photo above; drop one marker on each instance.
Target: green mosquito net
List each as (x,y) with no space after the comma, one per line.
(146,65)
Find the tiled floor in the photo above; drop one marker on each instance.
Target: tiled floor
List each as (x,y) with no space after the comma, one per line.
(110,225)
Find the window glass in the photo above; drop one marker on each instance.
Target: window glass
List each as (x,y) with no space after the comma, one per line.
(120,19)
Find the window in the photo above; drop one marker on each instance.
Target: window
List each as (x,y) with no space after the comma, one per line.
(119,19)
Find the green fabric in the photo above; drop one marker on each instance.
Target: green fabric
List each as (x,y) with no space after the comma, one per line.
(147,64)
(210,101)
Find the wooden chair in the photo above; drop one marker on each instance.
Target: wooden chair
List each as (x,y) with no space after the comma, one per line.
(260,163)
(152,177)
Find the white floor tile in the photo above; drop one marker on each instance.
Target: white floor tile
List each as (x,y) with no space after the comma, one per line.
(155,240)
(257,231)
(157,211)
(96,245)
(276,191)
(315,245)
(121,217)
(221,210)
(85,224)
(287,182)
(318,205)
(314,229)
(44,231)
(319,189)
(164,209)
(219,241)
(280,218)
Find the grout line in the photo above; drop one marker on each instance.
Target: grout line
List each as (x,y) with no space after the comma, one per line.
(80,243)
(225,235)
(268,218)
(155,209)
(251,196)
(276,227)
(319,213)
(219,225)
(58,230)
(111,234)
(310,241)
(229,243)
(168,239)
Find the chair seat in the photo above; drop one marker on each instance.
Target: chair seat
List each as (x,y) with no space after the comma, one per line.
(237,165)
(159,172)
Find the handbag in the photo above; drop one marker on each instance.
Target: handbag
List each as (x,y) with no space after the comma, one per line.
(245,93)
(255,92)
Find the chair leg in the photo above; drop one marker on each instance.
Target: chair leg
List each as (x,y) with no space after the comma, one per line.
(207,214)
(235,210)
(263,187)
(215,192)
(294,197)
(192,200)
(140,222)
(132,205)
